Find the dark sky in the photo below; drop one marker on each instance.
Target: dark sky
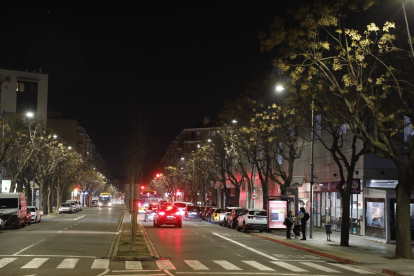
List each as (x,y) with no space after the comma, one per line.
(180,59)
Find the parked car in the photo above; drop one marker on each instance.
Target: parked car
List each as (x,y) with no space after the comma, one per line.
(74,206)
(169,215)
(204,212)
(66,208)
(94,203)
(225,215)
(35,214)
(215,216)
(192,212)
(28,217)
(77,204)
(13,209)
(181,206)
(232,219)
(252,219)
(210,211)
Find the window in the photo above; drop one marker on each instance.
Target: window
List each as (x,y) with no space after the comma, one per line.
(258,213)
(6,203)
(318,125)
(26,97)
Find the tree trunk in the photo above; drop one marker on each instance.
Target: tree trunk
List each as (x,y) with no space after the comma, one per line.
(403,220)
(345,217)
(44,200)
(237,196)
(50,200)
(265,187)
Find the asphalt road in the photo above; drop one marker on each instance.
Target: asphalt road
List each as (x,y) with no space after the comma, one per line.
(201,248)
(65,245)
(77,244)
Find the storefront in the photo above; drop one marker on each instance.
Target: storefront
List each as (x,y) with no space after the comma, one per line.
(328,207)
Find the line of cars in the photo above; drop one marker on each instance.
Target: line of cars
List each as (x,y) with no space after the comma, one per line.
(15,213)
(70,206)
(242,219)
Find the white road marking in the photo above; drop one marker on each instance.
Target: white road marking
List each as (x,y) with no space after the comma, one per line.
(64,256)
(6,261)
(165,264)
(27,247)
(136,270)
(353,268)
(68,263)
(133,265)
(35,263)
(257,265)
(290,267)
(227,266)
(320,267)
(196,265)
(248,248)
(78,217)
(100,264)
(166,271)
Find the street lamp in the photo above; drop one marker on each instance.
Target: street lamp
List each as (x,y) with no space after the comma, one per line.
(234,121)
(408,29)
(69,147)
(279,88)
(30,115)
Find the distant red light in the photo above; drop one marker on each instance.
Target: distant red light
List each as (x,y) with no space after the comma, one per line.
(142,187)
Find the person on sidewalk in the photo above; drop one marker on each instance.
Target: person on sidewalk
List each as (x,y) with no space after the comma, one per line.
(296,226)
(304,217)
(288,223)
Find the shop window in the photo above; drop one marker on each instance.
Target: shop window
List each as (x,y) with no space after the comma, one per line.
(375,218)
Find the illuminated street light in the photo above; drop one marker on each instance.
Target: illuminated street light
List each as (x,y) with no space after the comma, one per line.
(209,140)
(279,88)
(182,158)
(69,147)
(29,114)
(54,136)
(234,121)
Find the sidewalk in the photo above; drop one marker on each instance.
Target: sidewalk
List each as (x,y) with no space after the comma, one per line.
(50,215)
(362,251)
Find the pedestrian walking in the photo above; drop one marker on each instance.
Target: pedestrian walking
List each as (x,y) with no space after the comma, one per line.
(296,226)
(304,220)
(288,222)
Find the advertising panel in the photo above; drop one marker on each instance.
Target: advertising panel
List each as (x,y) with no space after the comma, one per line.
(277,213)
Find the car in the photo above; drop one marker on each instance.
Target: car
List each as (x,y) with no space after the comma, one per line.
(192,212)
(225,215)
(66,208)
(94,203)
(170,215)
(77,204)
(210,211)
(150,213)
(181,206)
(35,217)
(252,219)
(204,212)
(232,219)
(1,223)
(28,217)
(215,216)
(13,209)
(74,206)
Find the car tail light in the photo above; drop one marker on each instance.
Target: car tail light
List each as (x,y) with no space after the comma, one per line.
(178,213)
(161,213)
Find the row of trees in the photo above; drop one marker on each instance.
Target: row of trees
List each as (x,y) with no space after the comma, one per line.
(343,76)
(31,152)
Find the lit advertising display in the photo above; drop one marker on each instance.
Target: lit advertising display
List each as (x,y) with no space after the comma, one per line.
(277,213)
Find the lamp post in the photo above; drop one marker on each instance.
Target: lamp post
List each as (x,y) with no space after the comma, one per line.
(30,115)
(2,148)
(311,172)
(408,29)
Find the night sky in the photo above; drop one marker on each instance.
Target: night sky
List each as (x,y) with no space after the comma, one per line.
(181,60)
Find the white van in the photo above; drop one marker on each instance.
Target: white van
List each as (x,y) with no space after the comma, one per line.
(13,209)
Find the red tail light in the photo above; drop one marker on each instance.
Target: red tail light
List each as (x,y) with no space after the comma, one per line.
(161,213)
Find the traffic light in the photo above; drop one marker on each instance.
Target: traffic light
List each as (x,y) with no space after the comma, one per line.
(157,175)
(142,187)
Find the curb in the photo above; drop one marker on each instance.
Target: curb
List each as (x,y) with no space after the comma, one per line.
(150,245)
(391,273)
(115,240)
(336,258)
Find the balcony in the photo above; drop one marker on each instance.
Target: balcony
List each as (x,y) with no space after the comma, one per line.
(194,138)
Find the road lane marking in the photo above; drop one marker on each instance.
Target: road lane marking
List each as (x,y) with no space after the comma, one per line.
(27,247)
(64,256)
(133,265)
(227,265)
(290,267)
(166,271)
(165,265)
(78,217)
(100,264)
(353,268)
(196,265)
(68,263)
(6,261)
(35,263)
(247,247)
(320,267)
(258,266)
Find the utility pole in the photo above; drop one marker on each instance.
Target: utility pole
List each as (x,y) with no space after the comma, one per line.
(2,149)
(311,172)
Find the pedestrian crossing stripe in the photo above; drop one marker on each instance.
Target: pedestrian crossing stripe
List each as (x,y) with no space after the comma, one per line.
(195,265)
